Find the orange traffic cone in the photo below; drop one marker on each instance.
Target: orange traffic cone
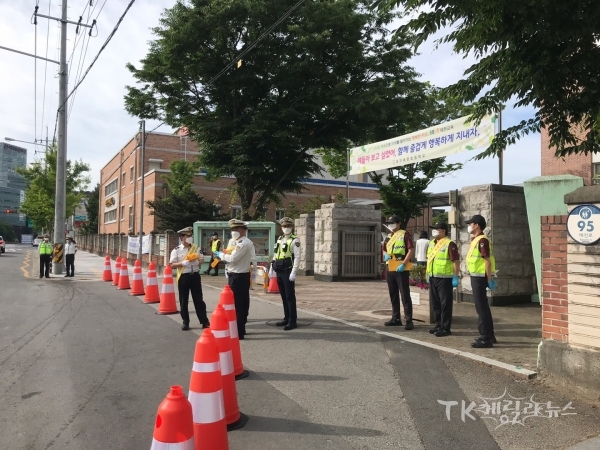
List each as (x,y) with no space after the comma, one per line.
(117,272)
(226,300)
(206,396)
(273,286)
(219,325)
(137,287)
(167,295)
(152,295)
(124,277)
(174,428)
(107,274)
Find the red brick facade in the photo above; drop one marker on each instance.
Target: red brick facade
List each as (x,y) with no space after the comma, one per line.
(555,303)
(578,165)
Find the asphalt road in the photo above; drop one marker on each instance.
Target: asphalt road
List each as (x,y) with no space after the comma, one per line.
(84,366)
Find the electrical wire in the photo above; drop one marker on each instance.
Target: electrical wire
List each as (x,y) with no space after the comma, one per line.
(45,73)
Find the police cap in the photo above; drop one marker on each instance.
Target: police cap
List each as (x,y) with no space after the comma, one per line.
(286,221)
(393,219)
(477,219)
(187,231)
(237,223)
(440,226)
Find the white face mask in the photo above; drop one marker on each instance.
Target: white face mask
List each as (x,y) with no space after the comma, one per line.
(235,235)
(392,226)
(287,230)
(435,233)
(470,229)
(189,240)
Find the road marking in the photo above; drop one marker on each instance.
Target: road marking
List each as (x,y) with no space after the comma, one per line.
(26,264)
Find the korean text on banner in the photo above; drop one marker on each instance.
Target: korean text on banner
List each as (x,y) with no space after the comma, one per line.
(441,140)
(133,243)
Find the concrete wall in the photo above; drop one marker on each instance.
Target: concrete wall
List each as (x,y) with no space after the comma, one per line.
(305,230)
(544,196)
(503,207)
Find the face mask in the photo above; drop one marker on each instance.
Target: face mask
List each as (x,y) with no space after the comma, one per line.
(287,230)
(235,235)
(470,229)
(435,233)
(392,226)
(189,240)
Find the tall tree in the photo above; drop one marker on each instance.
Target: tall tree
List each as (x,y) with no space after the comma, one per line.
(538,53)
(329,75)
(40,196)
(92,210)
(182,206)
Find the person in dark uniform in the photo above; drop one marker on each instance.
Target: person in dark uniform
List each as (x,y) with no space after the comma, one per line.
(443,266)
(215,247)
(399,249)
(70,250)
(482,267)
(284,266)
(186,258)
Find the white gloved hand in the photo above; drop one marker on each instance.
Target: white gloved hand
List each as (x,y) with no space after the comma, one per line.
(226,275)
(293,276)
(272,273)
(185,263)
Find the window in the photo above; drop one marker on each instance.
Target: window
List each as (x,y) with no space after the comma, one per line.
(596,173)
(131,174)
(110,216)
(217,210)
(279,214)
(123,180)
(131,217)
(122,212)
(236,212)
(111,187)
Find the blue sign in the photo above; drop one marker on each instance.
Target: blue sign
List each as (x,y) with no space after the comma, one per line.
(583,224)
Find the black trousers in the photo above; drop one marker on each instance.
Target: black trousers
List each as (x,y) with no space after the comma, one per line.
(212,258)
(70,264)
(399,289)
(486,323)
(45,265)
(440,296)
(240,285)
(287,289)
(190,282)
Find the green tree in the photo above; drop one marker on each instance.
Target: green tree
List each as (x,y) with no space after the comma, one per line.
(182,206)
(92,210)
(330,75)
(7,232)
(537,53)
(40,196)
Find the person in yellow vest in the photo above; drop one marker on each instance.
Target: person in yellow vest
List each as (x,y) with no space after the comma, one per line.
(443,266)
(286,261)
(186,259)
(481,265)
(215,247)
(399,249)
(45,249)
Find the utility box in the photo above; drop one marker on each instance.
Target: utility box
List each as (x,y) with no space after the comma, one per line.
(262,234)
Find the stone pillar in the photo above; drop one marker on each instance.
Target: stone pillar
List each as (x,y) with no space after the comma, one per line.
(305,230)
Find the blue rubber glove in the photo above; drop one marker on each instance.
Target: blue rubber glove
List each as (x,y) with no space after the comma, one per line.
(455,281)
(491,285)
(219,255)
(386,257)
(401,268)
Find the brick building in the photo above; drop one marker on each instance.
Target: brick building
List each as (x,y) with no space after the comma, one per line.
(120,185)
(585,166)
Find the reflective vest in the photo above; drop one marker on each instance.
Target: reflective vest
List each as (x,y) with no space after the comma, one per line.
(397,246)
(475,262)
(284,249)
(440,265)
(45,248)
(215,245)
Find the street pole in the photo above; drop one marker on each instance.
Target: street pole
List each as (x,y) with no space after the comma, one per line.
(142,158)
(501,154)
(61,156)
(347,175)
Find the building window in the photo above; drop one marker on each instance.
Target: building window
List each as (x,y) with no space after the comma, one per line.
(236,212)
(596,173)
(122,212)
(279,214)
(110,216)
(123,180)
(111,187)
(131,217)
(131,174)
(217,210)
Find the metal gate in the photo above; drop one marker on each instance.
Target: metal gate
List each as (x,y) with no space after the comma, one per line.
(359,254)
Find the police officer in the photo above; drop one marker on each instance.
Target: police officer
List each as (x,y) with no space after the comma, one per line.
(399,250)
(238,270)
(443,266)
(285,263)
(186,258)
(45,250)
(482,266)
(215,247)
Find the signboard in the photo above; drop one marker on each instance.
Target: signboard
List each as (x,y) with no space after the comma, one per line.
(133,244)
(441,140)
(583,224)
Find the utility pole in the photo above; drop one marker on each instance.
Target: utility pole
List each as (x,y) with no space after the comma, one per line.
(142,158)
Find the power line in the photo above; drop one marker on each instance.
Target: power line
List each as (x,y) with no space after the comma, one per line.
(45,72)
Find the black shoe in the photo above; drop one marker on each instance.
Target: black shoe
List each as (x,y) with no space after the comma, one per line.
(282,323)
(393,323)
(67,275)
(409,325)
(185,326)
(206,272)
(41,276)
(215,275)
(442,332)
(205,325)
(433,330)
(47,276)
(493,339)
(290,326)
(241,337)
(484,343)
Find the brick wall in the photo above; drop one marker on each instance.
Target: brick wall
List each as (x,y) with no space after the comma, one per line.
(555,303)
(578,165)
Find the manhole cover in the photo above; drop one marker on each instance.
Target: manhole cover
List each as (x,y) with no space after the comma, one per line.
(300,323)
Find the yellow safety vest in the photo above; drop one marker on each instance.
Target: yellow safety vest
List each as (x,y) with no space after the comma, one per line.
(285,251)
(45,248)
(396,248)
(475,262)
(215,245)
(439,264)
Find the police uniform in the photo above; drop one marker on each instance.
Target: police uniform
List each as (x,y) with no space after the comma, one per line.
(214,248)
(70,250)
(480,249)
(238,270)
(441,255)
(285,263)
(397,245)
(188,279)
(45,250)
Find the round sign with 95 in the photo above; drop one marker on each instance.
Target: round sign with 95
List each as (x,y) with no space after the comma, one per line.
(583,224)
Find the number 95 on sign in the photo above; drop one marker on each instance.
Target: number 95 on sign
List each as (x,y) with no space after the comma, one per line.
(583,224)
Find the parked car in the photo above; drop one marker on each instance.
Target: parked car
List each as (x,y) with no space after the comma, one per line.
(2,245)
(36,242)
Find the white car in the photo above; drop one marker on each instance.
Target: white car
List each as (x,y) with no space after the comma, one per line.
(36,242)
(2,245)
